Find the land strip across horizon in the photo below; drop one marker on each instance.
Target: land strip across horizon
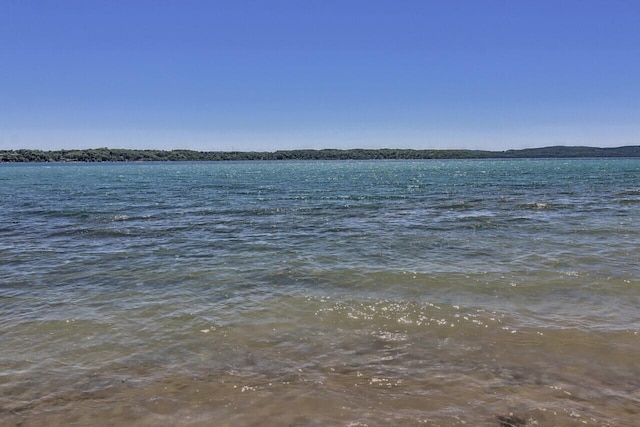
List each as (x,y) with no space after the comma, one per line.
(132,155)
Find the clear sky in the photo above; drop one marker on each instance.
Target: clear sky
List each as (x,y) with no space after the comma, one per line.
(288,74)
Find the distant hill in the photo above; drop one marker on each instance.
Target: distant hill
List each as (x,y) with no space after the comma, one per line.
(562,151)
(127,155)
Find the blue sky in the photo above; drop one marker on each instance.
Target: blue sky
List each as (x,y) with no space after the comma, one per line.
(267,75)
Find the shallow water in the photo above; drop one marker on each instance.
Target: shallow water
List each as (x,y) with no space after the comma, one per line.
(320,293)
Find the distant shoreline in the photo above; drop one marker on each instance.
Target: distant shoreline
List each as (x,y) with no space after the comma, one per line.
(133,155)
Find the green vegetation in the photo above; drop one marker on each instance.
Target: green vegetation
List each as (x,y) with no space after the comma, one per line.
(125,155)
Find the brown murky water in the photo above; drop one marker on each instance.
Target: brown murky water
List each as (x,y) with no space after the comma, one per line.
(314,361)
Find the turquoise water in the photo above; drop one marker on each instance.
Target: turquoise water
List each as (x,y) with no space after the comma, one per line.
(320,293)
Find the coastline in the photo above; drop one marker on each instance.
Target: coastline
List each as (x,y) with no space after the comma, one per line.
(133,155)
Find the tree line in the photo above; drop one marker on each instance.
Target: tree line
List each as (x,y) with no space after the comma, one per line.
(131,155)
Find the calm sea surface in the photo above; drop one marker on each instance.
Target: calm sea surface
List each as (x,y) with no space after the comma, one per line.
(320,293)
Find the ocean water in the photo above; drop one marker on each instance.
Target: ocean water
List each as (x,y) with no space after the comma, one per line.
(385,293)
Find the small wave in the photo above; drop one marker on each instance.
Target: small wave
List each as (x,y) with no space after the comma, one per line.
(629,192)
(545,206)
(390,336)
(125,218)
(456,205)
(96,233)
(629,201)
(538,206)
